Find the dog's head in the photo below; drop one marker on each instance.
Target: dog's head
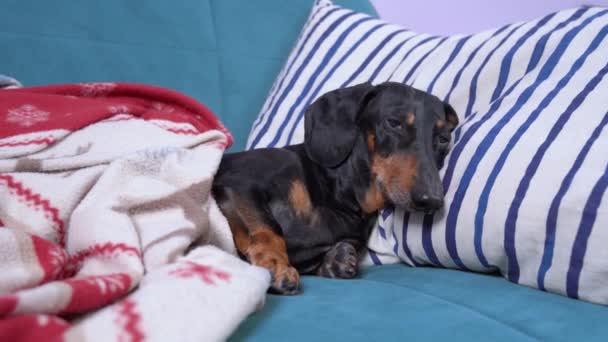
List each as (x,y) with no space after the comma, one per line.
(403,132)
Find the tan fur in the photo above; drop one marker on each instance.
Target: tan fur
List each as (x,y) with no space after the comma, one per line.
(396,172)
(300,199)
(259,243)
(440,124)
(268,250)
(393,171)
(410,118)
(452,121)
(267,247)
(239,231)
(371,142)
(374,199)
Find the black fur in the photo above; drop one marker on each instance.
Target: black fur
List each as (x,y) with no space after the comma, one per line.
(335,165)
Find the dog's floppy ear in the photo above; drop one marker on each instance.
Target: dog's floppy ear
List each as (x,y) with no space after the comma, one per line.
(330,129)
(450,116)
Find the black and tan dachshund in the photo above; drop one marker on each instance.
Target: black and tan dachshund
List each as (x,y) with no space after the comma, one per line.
(309,208)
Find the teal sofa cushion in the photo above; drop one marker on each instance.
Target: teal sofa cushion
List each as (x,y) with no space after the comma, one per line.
(400,303)
(224,53)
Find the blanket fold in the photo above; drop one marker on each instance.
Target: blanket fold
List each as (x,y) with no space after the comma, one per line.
(104,190)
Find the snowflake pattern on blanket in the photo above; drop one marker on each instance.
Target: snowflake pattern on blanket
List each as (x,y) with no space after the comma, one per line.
(104,187)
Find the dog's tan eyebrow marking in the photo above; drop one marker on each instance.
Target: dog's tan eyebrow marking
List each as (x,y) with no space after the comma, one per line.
(410,118)
(371,141)
(299,198)
(440,124)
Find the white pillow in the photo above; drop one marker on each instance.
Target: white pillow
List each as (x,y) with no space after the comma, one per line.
(527,176)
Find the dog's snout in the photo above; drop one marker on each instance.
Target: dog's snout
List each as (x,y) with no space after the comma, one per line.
(426,202)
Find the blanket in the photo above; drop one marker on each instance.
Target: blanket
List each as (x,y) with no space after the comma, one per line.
(108,230)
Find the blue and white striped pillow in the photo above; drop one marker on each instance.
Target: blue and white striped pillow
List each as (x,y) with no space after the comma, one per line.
(527,176)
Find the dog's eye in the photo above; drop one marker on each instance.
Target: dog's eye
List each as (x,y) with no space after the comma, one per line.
(442,141)
(394,123)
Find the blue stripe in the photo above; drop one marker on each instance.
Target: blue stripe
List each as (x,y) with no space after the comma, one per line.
(404,245)
(475,80)
(522,189)
(315,93)
(374,257)
(458,131)
(487,141)
(556,203)
(579,248)
(310,82)
(485,194)
(420,60)
(382,232)
(396,245)
(428,220)
(280,85)
(469,60)
(427,240)
(537,52)
(458,148)
(388,211)
(280,81)
(409,52)
(505,65)
(388,58)
(296,76)
(470,116)
(369,58)
(541,43)
(385,213)
(453,55)
(313,96)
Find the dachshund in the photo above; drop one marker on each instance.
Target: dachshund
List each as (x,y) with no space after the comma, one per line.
(309,208)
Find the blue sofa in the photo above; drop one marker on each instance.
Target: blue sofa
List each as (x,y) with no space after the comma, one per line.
(226,53)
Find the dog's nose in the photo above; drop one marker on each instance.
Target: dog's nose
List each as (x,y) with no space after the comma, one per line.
(427,203)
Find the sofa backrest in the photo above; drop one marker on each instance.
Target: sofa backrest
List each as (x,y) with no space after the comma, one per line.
(224,53)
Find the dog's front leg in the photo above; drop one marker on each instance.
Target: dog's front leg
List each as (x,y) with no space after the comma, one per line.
(340,261)
(267,249)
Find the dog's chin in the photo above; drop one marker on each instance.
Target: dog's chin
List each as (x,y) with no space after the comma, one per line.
(396,197)
(399,199)
(404,200)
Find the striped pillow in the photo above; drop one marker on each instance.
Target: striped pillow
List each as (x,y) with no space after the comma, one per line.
(527,176)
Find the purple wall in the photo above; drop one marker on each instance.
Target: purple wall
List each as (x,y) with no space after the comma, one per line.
(467,16)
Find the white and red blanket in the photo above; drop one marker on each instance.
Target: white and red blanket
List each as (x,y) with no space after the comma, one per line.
(104,189)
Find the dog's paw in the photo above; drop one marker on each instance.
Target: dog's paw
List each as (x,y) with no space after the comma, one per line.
(285,281)
(340,262)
